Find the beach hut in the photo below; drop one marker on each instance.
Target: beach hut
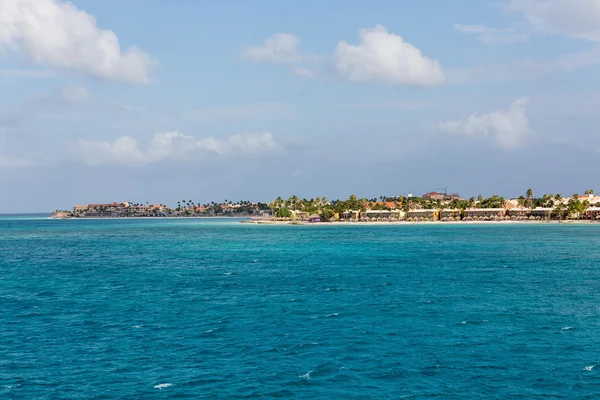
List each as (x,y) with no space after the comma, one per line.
(314,218)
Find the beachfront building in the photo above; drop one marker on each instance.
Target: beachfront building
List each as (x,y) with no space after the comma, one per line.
(376,215)
(450,214)
(423,215)
(592,213)
(542,213)
(518,213)
(484,213)
(350,215)
(381,211)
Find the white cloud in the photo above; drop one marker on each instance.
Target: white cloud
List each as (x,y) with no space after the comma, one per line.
(383,56)
(575,18)
(56,33)
(74,94)
(169,145)
(487,34)
(280,48)
(508,129)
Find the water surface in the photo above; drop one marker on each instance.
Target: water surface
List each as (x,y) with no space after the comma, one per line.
(217,309)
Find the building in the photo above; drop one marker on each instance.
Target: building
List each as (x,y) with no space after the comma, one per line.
(592,213)
(542,212)
(453,214)
(314,218)
(434,196)
(484,213)
(423,215)
(441,196)
(518,212)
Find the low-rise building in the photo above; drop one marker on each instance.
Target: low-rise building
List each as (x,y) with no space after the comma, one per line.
(518,212)
(450,214)
(484,213)
(592,213)
(542,212)
(423,214)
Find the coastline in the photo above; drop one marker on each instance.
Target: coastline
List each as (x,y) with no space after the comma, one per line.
(130,218)
(394,223)
(248,220)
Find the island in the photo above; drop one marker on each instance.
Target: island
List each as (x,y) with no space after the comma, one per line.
(430,207)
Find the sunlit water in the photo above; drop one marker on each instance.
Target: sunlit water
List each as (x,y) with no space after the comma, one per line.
(139,309)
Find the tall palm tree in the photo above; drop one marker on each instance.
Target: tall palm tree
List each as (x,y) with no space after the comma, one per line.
(530,197)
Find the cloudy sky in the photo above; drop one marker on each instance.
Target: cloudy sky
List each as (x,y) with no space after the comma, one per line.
(163,101)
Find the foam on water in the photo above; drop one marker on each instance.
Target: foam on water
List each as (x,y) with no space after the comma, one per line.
(163,386)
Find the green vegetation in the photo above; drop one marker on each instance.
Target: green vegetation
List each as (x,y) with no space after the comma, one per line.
(353,208)
(283,212)
(430,206)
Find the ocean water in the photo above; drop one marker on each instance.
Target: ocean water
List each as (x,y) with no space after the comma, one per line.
(144,309)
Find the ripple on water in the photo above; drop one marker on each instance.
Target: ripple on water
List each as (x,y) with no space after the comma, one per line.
(130,309)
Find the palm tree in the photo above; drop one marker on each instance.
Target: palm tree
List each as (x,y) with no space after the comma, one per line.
(530,197)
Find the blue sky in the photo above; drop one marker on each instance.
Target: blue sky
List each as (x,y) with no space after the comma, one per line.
(160,101)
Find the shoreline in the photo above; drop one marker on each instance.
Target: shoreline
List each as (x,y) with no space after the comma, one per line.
(381,223)
(130,218)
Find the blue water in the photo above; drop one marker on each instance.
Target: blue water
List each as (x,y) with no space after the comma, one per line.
(142,309)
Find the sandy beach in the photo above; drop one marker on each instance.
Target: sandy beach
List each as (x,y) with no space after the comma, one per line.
(379,223)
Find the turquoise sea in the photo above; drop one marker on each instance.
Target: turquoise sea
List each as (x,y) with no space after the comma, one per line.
(144,309)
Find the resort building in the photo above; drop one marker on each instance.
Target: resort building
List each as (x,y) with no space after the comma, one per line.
(593,213)
(450,214)
(350,215)
(518,212)
(381,215)
(422,215)
(483,213)
(542,212)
